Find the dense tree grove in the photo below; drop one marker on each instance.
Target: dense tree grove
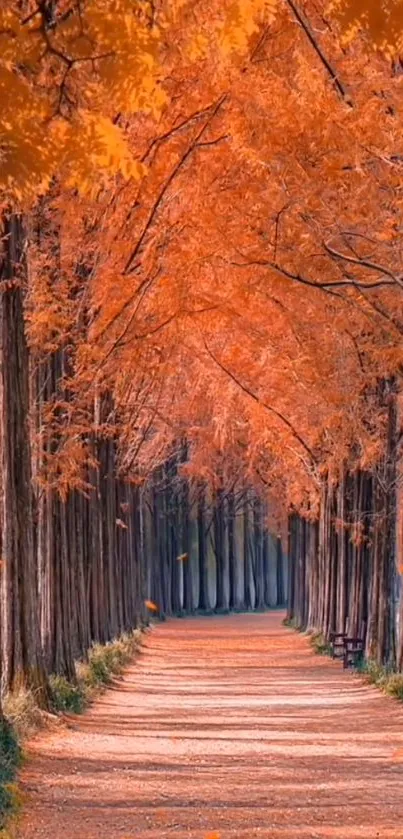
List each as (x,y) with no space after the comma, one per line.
(200,319)
(345,571)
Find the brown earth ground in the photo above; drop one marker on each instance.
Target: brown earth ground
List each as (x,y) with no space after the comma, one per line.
(229,727)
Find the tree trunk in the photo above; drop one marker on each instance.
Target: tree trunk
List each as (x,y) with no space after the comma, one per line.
(204,602)
(22,658)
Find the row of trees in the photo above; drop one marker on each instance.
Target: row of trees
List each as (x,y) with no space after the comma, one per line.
(209,551)
(345,572)
(80,563)
(185,256)
(75,557)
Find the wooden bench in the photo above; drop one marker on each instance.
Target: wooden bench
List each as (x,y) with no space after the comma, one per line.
(337,644)
(353,652)
(350,648)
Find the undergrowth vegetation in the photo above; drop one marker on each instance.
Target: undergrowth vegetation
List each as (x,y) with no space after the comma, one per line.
(291,622)
(22,716)
(383,677)
(319,643)
(10,758)
(104,662)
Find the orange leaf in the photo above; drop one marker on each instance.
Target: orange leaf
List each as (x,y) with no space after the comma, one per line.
(151,606)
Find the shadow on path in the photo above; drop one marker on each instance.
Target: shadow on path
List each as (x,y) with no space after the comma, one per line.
(227,724)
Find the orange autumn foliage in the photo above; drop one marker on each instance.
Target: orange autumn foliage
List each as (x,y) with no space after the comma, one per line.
(380,20)
(71,72)
(246,289)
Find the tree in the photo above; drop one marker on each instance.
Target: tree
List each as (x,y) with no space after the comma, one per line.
(201,276)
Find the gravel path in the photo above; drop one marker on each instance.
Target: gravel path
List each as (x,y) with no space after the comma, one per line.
(226,727)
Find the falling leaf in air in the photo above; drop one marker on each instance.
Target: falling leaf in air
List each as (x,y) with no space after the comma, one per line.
(151,606)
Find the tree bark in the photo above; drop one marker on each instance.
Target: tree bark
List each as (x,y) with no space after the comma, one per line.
(22,660)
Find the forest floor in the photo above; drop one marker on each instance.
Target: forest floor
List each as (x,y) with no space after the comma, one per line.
(225,727)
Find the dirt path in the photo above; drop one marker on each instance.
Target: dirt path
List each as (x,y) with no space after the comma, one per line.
(226,726)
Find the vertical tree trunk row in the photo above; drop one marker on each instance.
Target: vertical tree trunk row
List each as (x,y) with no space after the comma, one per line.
(78,567)
(346,568)
(221,556)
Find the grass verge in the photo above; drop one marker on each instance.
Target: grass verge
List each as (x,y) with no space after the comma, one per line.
(383,678)
(291,622)
(22,717)
(319,644)
(387,680)
(10,759)
(317,640)
(104,662)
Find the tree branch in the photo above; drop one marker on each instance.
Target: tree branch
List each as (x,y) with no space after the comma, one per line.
(300,17)
(265,405)
(181,162)
(366,263)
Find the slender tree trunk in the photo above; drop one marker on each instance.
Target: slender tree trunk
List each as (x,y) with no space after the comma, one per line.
(248,598)
(204,602)
(292,554)
(279,571)
(232,582)
(186,550)
(258,553)
(22,660)
(219,548)
(342,554)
